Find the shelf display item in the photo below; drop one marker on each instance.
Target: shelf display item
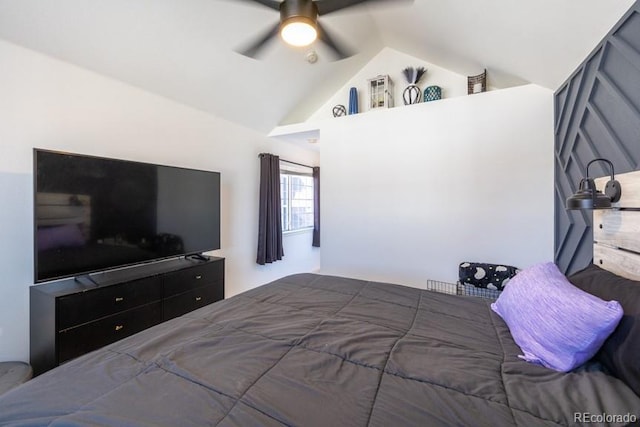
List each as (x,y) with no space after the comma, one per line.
(353,101)
(432,93)
(412,93)
(380,92)
(339,110)
(477,84)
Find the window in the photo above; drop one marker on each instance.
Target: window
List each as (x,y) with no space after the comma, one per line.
(296,191)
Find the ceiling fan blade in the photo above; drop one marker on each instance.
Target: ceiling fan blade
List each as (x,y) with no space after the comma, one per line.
(254,48)
(271,4)
(340,50)
(328,6)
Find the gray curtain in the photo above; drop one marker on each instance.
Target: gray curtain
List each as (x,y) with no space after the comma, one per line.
(316,207)
(269,219)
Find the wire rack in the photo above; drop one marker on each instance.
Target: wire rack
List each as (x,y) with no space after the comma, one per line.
(470,290)
(461,289)
(442,287)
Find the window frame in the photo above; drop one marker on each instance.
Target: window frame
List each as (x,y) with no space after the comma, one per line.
(286,209)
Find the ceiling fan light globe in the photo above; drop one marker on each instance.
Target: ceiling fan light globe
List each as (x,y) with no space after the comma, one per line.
(298,32)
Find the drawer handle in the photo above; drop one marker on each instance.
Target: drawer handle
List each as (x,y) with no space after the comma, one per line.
(119,299)
(119,327)
(198,277)
(198,298)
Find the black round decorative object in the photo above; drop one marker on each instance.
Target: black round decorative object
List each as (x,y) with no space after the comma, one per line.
(339,111)
(411,95)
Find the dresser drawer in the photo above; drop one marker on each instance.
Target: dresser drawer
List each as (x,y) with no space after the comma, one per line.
(188,301)
(83,307)
(191,278)
(90,336)
(69,318)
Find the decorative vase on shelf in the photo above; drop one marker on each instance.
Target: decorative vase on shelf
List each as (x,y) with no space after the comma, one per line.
(411,94)
(353,101)
(432,93)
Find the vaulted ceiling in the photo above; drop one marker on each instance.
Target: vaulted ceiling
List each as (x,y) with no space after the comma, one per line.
(185,49)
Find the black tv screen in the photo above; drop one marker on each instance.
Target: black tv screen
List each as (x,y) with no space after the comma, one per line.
(94,214)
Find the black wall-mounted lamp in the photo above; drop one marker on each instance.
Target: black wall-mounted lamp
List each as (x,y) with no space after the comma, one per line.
(589,197)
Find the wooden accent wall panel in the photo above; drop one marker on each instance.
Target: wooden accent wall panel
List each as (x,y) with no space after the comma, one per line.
(623,264)
(597,114)
(616,233)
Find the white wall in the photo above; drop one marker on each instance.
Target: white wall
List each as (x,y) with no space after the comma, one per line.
(50,104)
(408,193)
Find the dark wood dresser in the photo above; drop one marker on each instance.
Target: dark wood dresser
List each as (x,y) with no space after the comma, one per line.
(70,318)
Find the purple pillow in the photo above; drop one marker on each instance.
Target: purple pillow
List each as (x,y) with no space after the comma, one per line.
(555,324)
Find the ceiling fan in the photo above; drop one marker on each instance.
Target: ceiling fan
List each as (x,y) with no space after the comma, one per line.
(299,24)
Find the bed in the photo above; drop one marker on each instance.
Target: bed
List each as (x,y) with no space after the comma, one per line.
(318,350)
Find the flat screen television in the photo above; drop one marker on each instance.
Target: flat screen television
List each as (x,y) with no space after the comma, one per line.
(95,214)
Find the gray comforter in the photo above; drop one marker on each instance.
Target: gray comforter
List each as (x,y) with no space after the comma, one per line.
(311,350)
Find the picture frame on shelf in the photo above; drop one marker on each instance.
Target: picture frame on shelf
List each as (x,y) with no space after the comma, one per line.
(380,92)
